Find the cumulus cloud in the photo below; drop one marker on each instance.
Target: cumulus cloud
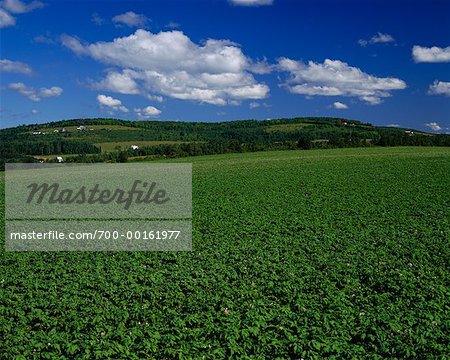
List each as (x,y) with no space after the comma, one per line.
(130,19)
(122,83)
(336,78)
(34,111)
(147,112)
(251,2)
(340,106)
(431,55)
(33,94)
(111,103)
(8,7)
(19,7)
(15,67)
(170,64)
(434,126)
(6,19)
(108,101)
(439,88)
(379,38)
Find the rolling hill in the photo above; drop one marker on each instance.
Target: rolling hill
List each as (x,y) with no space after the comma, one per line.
(95,140)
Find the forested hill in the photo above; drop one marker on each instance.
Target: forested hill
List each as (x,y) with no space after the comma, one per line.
(111,139)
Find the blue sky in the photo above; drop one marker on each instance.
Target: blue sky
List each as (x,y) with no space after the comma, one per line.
(383,62)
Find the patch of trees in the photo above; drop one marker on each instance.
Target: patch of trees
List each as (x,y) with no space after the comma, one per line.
(21,151)
(47,147)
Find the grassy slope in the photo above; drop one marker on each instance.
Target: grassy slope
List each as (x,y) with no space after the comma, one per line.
(166,132)
(331,252)
(88,128)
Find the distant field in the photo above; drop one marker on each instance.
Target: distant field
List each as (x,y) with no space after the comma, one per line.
(47,157)
(89,127)
(286,127)
(297,254)
(111,146)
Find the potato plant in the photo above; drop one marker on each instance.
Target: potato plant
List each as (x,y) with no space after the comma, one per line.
(298,254)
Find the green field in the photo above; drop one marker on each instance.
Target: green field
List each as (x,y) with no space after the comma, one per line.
(286,127)
(49,157)
(296,254)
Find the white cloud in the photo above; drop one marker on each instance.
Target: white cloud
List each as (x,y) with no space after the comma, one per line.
(156,98)
(372,100)
(172,25)
(251,2)
(130,19)
(19,7)
(431,55)
(22,89)
(97,19)
(34,111)
(33,94)
(50,92)
(382,38)
(44,39)
(255,105)
(393,125)
(111,103)
(434,126)
(339,105)
(261,67)
(170,64)
(337,78)
(379,38)
(147,112)
(121,83)
(6,19)
(8,7)
(15,66)
(362,42)
(440,88)
(73,44)
(108,101)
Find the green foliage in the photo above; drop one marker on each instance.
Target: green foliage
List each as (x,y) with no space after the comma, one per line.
(338,253)
(169,139)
